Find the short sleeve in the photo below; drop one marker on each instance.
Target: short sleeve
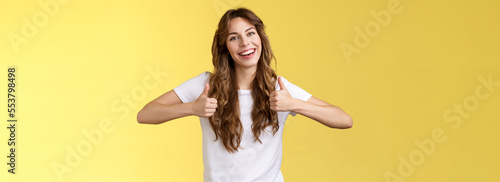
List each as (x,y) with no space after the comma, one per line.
(192,88)
(295,92)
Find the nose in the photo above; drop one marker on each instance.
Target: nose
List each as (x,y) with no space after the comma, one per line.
(244,42)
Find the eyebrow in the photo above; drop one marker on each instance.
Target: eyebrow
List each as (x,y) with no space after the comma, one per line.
(245,31)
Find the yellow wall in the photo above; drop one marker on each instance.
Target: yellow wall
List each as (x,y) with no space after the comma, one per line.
(423,87)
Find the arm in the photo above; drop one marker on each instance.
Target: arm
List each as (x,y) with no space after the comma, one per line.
(314,108)
(164,108)
(323,112)
(169,106)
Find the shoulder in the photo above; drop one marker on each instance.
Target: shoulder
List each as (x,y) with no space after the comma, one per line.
(202,77)
(206,74)
(189,90)
(294,90)
(285,81)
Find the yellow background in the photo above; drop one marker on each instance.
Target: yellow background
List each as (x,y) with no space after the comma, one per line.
(75,72)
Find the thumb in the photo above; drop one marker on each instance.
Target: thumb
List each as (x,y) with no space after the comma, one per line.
(282,85)
(205,92)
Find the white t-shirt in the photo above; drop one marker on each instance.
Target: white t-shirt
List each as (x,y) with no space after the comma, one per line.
(254,162)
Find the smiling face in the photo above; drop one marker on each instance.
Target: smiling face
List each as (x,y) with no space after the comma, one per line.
(243,43)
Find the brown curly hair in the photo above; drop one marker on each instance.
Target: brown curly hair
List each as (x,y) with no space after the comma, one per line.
(225,122)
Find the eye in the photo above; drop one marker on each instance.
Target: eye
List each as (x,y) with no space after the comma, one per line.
(233,38)
(251,33)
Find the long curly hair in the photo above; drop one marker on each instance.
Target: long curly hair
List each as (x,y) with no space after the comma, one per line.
(225,122)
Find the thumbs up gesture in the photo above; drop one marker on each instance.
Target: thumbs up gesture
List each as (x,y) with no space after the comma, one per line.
(281,100)
(204,106)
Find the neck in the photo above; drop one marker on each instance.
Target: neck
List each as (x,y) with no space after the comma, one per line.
(245,76)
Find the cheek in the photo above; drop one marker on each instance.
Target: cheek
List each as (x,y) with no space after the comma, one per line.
(232,47)
(258,42)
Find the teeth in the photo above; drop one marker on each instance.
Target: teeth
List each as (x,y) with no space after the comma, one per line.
(247,52)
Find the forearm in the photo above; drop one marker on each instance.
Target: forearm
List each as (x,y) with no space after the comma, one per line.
(156,113)
(329,115)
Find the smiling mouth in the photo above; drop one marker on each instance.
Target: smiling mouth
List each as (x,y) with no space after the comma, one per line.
(247,52)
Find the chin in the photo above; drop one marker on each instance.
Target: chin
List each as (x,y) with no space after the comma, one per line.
(251,62)
(247,64)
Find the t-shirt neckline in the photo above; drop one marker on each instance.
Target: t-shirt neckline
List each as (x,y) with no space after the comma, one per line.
(244,91)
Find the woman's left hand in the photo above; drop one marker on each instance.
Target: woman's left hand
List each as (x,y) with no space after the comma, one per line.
(281,100)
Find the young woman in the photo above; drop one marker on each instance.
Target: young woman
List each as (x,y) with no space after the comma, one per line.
(242,105)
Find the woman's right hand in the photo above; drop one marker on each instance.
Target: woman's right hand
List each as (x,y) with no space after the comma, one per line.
(204,106)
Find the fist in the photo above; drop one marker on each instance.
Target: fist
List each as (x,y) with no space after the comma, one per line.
(281,100)
(204,106)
